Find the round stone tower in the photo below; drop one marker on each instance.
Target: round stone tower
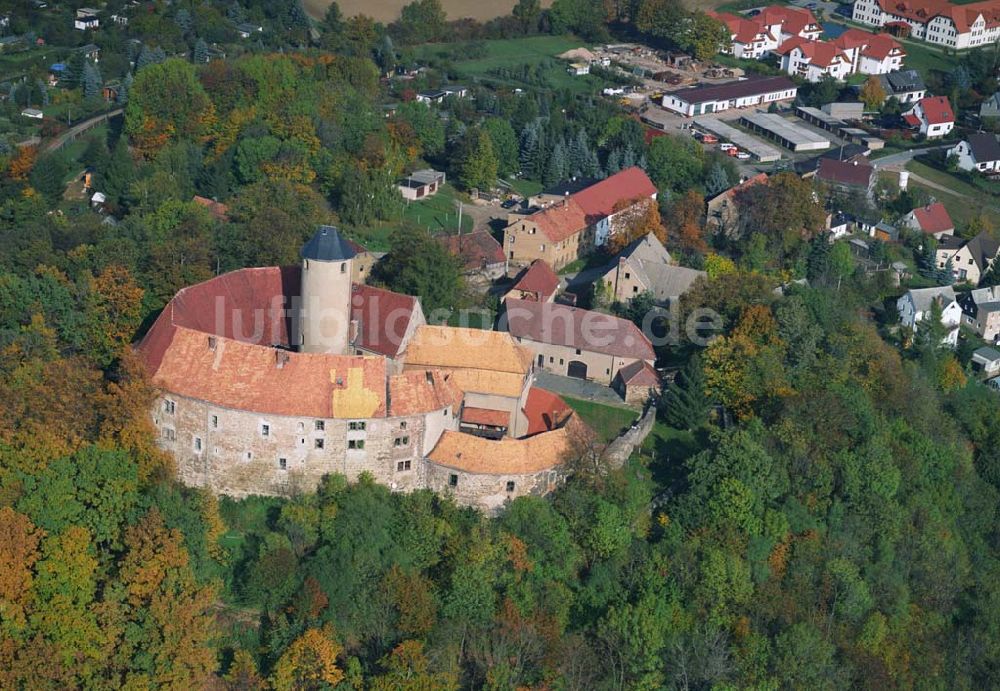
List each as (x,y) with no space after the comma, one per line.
(325,311)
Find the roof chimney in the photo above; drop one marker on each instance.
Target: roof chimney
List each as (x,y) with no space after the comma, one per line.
(280,358)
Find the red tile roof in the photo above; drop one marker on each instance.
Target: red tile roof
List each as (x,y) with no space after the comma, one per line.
(853,173)
(819,53)
(414,392)
(639,373)
(539,279)
(599,200)
(923,11)
(876,46)
(383,318)
(937,110)
(572,327)
(911,120)
(793,20)
(545,410)
(933,218)
(477,250)
(485,416)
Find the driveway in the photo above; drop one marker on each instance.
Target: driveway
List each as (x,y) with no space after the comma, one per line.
(579,388)
(900,160)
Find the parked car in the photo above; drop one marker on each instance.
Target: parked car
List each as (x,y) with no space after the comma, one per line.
(732,152)
(726,146)
(509,203)
(709,139)
(742,155)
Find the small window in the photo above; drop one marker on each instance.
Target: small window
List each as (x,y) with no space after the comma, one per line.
(577,351)
(402,465)
(357,426)
(169,406)
(628,275)
(319,443)
(249,455)
(343,267)
(215,422)
(356,444)
(402,425)
(282,464)
(197,444)
(510,485)
(265,430)
(560,361)
(551,359)
(169,434)
(453,480)
(320,425)
(300,428)
(401,441)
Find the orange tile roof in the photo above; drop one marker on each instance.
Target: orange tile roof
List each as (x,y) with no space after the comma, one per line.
(476,250)
(793,20)
(545,411)
(244,376)
(639,373)
(876,46)
(415,392)
(563,219)
(505,456)
(933,218)
(540,279)
(453,347)
(485,416)
(599,200)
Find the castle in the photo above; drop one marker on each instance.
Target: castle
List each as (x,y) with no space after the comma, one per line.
(270,378)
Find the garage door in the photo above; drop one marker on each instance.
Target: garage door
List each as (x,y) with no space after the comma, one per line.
(577,369)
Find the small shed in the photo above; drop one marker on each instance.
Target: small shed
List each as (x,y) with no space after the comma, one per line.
(636,382)
(33,113)
(986,360)
(578,69)
(421,183)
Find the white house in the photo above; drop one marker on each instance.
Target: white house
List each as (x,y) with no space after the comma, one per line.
(969,260)
(871,53)
(578,69)
(755,37)
(934,21)
(915,306)
(932,115)
(86,19)
(715,98)
(980,151)
(248,30)
(813,60)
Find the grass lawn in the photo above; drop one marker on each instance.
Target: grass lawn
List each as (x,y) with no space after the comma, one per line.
(525,188)
(961,208)
(514,53)
(438,214)
(942,178)
(247,516)
(608,421)
(668,449)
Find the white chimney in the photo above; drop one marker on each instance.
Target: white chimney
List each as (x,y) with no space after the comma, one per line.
(904,179)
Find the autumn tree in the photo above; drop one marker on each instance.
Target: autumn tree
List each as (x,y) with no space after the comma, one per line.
(478,162)
(113,309)
(684,222)
(166,101)
(872,93)
(309,663)
(634,219)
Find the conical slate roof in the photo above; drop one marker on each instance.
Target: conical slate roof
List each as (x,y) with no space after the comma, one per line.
(328,246)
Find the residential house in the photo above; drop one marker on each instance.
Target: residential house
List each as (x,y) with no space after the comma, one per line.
(578,69)
(478,252)
(986,360)
(980,151)
(637,382)
(907,86)
(538,283)
(572,227)
(755,37)
(246,30)
(814,60)
(981,311)
(439,95)
(722,214)
(936,21)
(990,107)
(575,342)
(86,19)
(916,305)
(932,115)
(871,53)
(716,98)
(90,52)
(420,184)
(932,219)
(645,266)
(856,175)
(969,259)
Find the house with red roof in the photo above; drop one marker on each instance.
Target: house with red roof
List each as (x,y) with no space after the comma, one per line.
(936,21)
(871,53)
(538,283)
(855,175)
(932,115)
(575,224)
(478,252)
(855,51)
(932,219)
(637,382)
(755,37)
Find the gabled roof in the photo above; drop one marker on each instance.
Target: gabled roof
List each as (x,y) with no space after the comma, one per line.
(563,219)
(749,182)
(751,86)
(793,20)
(475,250)
(986,353)
(572,327)
(506,456)
(413,392)
(477,349)
(327,245)
(933,218)
(937,110)
(383,318)
(923,298)
(648,248)
(851,173)
(983,249)
(902,81)
(538,278)
(639,373)
(985,147)
(545,411)
(599,200)
(819,53)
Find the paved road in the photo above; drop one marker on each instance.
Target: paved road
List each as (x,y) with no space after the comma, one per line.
(904,157)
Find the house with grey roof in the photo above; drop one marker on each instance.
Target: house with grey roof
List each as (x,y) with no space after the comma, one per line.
(645,266)
(990,108)
(980,151)
(917,305)
(906,85)
(981,312)
(969,259)
(986,360)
